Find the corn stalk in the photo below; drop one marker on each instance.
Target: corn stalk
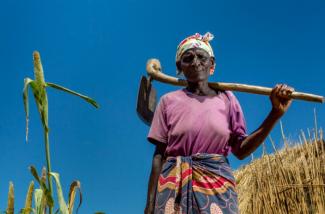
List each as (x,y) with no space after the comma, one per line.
(38,86)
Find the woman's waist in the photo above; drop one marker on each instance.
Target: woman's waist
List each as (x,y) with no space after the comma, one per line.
(201,157)
(213,166)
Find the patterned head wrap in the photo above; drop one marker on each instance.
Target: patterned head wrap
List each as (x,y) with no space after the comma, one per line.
(195,41)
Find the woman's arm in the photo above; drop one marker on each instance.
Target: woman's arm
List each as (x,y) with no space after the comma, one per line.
(280,104)
(157,162)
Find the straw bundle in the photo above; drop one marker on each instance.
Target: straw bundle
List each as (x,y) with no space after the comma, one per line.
(289,181)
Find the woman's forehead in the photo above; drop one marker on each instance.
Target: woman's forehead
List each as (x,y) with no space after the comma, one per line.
(196,50)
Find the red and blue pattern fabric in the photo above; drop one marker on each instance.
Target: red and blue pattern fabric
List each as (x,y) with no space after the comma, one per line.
(202,183)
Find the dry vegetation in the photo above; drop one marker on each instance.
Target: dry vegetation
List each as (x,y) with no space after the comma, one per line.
(291,180)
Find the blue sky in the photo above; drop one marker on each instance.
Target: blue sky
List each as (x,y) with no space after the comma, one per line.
(100,48)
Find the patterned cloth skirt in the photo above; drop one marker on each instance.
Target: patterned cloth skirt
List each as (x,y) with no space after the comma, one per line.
(202,183)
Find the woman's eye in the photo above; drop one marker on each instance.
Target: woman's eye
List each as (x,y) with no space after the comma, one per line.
(203,58)
(188,58)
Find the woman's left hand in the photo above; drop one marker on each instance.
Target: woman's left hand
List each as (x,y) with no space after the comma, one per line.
(280,98)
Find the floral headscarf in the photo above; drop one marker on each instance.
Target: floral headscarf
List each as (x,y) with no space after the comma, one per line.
(195,41)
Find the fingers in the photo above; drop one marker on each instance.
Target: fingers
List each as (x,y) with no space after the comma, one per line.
(275,90)
(282,91)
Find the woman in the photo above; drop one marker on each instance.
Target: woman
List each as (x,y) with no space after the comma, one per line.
(194,129)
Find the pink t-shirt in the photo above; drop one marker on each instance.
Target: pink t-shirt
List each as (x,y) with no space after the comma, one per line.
(189,124)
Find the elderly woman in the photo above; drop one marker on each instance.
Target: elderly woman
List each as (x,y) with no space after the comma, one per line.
(194,129)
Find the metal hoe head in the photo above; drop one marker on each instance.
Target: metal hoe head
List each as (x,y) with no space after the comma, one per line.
(146,102)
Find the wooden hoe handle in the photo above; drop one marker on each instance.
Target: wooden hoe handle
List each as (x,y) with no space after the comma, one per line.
(155,72)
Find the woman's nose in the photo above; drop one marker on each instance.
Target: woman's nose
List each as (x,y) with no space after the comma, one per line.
(195,61)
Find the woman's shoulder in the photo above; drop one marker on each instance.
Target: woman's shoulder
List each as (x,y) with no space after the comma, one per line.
(173,94)
(230,95)
(173,97)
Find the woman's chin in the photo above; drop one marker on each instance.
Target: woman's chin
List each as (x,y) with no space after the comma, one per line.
(195,80)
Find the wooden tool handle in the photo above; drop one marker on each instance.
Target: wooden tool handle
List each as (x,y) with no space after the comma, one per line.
(154,70)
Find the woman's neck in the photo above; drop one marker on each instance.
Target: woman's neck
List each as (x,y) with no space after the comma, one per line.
(200,88)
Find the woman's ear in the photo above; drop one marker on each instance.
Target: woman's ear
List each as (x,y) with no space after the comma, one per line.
(213,65)
(213,62)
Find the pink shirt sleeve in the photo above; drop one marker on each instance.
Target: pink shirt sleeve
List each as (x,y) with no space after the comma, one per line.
(237,123)
(159,129)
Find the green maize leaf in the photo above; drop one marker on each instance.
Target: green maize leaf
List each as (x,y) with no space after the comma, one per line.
(75,185)
(39,201)
(62,204)
(41,181)
(11,199)
(27,81)
(29,199)
(87,99)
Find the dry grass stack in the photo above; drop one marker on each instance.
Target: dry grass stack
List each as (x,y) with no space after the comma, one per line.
(291,180)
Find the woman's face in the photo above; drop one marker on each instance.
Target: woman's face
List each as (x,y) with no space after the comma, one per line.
(195,64)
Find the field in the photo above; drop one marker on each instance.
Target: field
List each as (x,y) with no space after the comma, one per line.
(291,180)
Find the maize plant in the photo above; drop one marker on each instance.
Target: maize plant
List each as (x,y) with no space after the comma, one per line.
(39,86)
(43,200)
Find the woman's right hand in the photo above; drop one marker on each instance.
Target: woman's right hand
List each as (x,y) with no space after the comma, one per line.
(157,162)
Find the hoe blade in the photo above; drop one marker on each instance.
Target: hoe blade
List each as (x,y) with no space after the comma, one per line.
(147,101)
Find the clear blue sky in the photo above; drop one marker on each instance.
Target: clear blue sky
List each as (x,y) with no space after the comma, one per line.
(100,48)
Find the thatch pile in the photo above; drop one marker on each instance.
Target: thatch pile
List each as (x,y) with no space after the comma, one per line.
(289,181)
